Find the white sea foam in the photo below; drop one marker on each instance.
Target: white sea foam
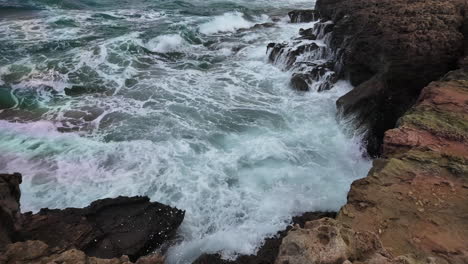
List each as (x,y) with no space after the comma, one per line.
(229,22)
(167,43)
(215,131)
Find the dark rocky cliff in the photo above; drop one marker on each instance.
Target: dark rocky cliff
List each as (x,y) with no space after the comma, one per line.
(390,50)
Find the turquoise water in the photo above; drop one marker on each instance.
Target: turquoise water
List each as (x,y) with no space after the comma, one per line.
(175,100)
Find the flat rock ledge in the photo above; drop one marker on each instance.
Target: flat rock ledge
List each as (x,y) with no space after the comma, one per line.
(118,230)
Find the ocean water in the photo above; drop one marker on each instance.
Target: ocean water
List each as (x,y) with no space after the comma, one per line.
(175,100)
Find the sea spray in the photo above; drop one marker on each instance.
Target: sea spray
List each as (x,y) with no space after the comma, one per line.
(159,99)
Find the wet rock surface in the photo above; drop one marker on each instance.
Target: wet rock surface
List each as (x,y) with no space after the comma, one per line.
(107,229)
(302,16)
(9,207)
(269,251)
(308,57)
(390,50)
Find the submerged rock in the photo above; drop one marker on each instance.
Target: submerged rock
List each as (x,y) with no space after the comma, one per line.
(107,228)
(287,54)
(390,50)
(307,34)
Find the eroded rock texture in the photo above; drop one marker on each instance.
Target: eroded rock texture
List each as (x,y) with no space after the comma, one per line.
(327,241)
(390,50)
(269,251)
(414,200)
(107,228)
(37,252)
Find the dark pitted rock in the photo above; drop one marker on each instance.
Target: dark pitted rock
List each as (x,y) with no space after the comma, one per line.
(390,50)
(9,207)
(269,251)
(107,228)
(302,16)
(299,82)
(318,77)
(307,34)
(257,27)
(287,54)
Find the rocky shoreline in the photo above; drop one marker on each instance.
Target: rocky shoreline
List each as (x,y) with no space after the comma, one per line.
(118,230)
(407,62)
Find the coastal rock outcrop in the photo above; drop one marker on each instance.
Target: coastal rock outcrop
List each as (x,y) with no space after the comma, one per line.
(390,50)
(415,197)
(107,229)
(302,16)
(327,241)
(309,61)
(269,251)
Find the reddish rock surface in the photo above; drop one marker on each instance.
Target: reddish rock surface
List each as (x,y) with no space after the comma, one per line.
(327,241)
(413,205)
(390,50)
(416,198)
(269,251)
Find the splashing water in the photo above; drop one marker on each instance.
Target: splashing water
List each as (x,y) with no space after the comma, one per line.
(174,100)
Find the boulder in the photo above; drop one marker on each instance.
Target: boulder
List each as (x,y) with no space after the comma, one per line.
(9,207)
(107,228)
(307,34)
(287,54)
(390,50)
(299,82)
(327,241)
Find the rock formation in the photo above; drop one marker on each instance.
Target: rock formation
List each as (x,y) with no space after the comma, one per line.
(269,251)
(9,207)
(414,199)
(327,241)
(390,50)
(38,252)
(107,229)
